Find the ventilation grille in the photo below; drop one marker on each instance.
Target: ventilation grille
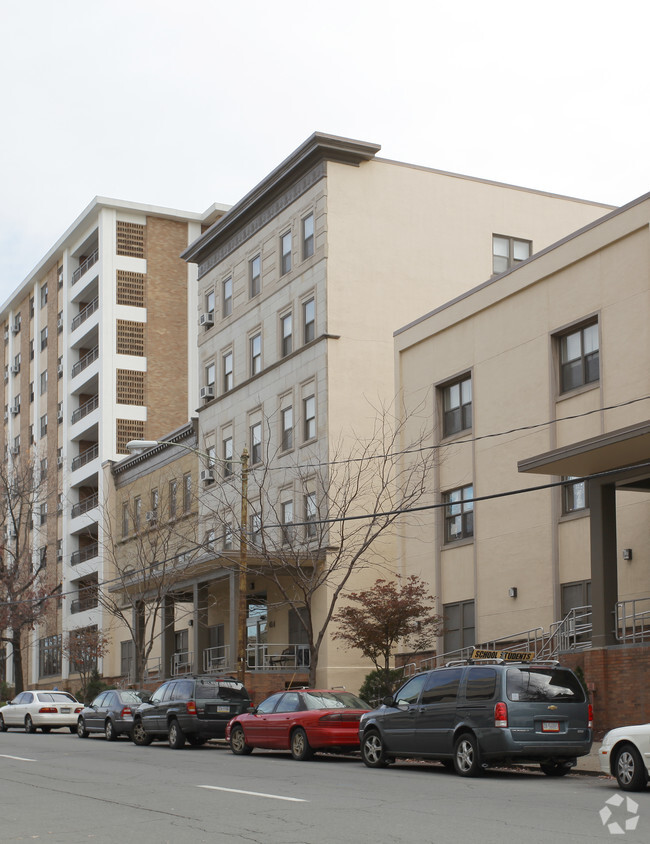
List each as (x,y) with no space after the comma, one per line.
(130,387)
(130,289)
(130,338)
(127,430)
(130,239)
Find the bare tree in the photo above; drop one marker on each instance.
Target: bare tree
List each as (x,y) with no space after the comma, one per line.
(24,582)
(84,647)
(344,517)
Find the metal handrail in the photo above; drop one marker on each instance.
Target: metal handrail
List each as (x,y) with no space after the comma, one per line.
(85,266)
(85,456)
(217,659)
(85,361)
(85,409)
(632,624)
(181,663)
(84,554)
(84,506)
(82,604)
(83,315)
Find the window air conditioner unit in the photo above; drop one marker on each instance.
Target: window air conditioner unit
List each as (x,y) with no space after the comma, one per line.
(59,462)
(59,370)
(59,325)
(59,416)
(15,328)
(207,392)
(15,409)
(14,450)
(207,476)
(206,319)
(151,515)
(15,368)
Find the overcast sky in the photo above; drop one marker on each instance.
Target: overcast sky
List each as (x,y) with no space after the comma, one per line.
(183,104)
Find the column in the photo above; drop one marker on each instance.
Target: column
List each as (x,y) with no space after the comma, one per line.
(604,570)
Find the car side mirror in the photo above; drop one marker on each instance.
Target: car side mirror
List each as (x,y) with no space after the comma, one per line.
(252,710)
(388,701)
(403,705)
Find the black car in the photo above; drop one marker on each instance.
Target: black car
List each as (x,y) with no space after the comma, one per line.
(190,708)
(110,713)
(472,714)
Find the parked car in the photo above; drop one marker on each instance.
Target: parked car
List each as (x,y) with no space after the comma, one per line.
(469,715)
(625,754)
(189,708)
(110,713)
(302,721)
(47,709)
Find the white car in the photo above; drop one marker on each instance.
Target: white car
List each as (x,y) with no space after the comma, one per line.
(625,754)
(48,709)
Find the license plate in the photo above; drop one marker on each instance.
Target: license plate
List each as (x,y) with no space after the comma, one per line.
(65,709)
(550,726)
(223,709)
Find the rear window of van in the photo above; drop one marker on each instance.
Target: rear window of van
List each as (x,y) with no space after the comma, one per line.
(543,684)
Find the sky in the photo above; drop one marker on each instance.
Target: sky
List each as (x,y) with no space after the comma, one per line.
(183,104)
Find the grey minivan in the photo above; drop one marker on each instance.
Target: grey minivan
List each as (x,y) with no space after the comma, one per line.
(470,715)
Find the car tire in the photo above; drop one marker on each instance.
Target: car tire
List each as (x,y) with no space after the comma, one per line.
(109,730)
(555,768)
(176,735)
(373,752)
(82,732)
(467,757)
(3,726)
(45,729)
(629,769)
(300,748)
(196,741)
(140,736)
(238,742)
(29,724)
(73,730)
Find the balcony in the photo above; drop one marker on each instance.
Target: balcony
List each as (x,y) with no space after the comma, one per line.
(277,657)
(85,506)
(84,554)
(85,457)
(85,266)
(87,602)
(85,409)
(83,315)
(181,663)
(85,361)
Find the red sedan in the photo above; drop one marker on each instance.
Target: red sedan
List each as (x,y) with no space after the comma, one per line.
(302,721)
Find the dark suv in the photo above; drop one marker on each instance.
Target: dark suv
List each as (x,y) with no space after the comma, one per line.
(469,715)
(189,708)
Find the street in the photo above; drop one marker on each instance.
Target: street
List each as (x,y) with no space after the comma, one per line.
(59,788)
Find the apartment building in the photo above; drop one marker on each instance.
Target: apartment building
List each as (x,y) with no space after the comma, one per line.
(99,349)
(539,384)
(300,288)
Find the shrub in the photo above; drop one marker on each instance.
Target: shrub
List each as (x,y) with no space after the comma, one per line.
(378,685)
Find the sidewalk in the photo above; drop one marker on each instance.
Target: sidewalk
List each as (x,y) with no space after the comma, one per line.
(590,765)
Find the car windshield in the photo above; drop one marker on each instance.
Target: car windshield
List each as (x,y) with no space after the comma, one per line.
(529,684)
(224,690)
(130,697)
(56,697)
(333,700)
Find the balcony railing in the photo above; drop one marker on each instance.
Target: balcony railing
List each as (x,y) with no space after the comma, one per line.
(181,663)
(83,554)
(85,409)
(83,315)
(85,266)
(85,457)
(217,659)
(84,506)
(277,657)
(85,361)
(88,602)
(633,621)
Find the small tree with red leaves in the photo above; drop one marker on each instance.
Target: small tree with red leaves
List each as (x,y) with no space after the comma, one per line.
(84,647)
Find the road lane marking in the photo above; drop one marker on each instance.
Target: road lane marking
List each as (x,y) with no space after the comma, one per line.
(254,793)
(17,758)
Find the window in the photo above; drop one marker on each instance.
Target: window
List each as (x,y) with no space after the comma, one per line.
(286,416)
(459,513)
(209,302)
(227,456)
(49,656)
(127,657)
(44,295)
(310,515)
(575,595)
(308,320)
(16,446)
(125,519)
(173,494)
(43,382)
(154,503)
(256,353)
(137,513)
(16,366)
(256,530)
(227,372)
(309,414)
(59,321)
(43,424)
(210,374)
(507,252)
(287,521)
(43,468)
(441,686)
(575,496)
(31,307)
(255,275)
(285,253)
(31,350)
(211,454)
(59,366)
(43,513)
(459,625)
(481,684)
(286,323)
(227,537)
(457,406)
(410,693)
(579,357)
(256,443)
(308,237)
(44,338)
(227,297)
(187,492)
(17,323)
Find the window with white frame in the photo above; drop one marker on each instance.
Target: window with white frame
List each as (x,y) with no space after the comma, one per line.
(308,236)
(227,537)
(227,372)
(173,498)
(287,521)
(457,406)
(286,419)
(507,252)
(256,443)
(209,302)
(286,325)
(187,492)
(43,295)
(227,455)
(255,275)
(285,253)
(308,320)
(256,530)
(43,424)
(579,357)
(227,297)
(44,382)
(309,417)
(210,374)
(310,515)
(256,353)
(137,513)
(44,338)
(459,513)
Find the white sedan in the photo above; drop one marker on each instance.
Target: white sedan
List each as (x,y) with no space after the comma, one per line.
(625,754)
(48,709)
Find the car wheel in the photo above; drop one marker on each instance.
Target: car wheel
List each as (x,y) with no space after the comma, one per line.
(629,769)
(73,730)
(176,735)
(555,768)
(372,750)
(467,759)
(109,730)
(140,735)
(300,748)
(29,724)
(3,726)
(196,741)
(82,732)
(238,742)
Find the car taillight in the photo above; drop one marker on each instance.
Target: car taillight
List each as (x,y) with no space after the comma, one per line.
(500,715)
(590,715)
(48,710)
(126,711)
(341,716)
(191,707)
(78,709)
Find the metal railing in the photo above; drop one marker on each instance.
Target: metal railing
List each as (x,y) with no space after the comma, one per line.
(277,657)
(88,602)
(633,620)
(85,409)
(85,457)
(85,266)
(84,506)
(85,361)
(181,663)
(217,659)
(83,554)
(83,315)
(572,633)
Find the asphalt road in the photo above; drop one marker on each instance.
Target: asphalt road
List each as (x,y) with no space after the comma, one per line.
(59,788)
